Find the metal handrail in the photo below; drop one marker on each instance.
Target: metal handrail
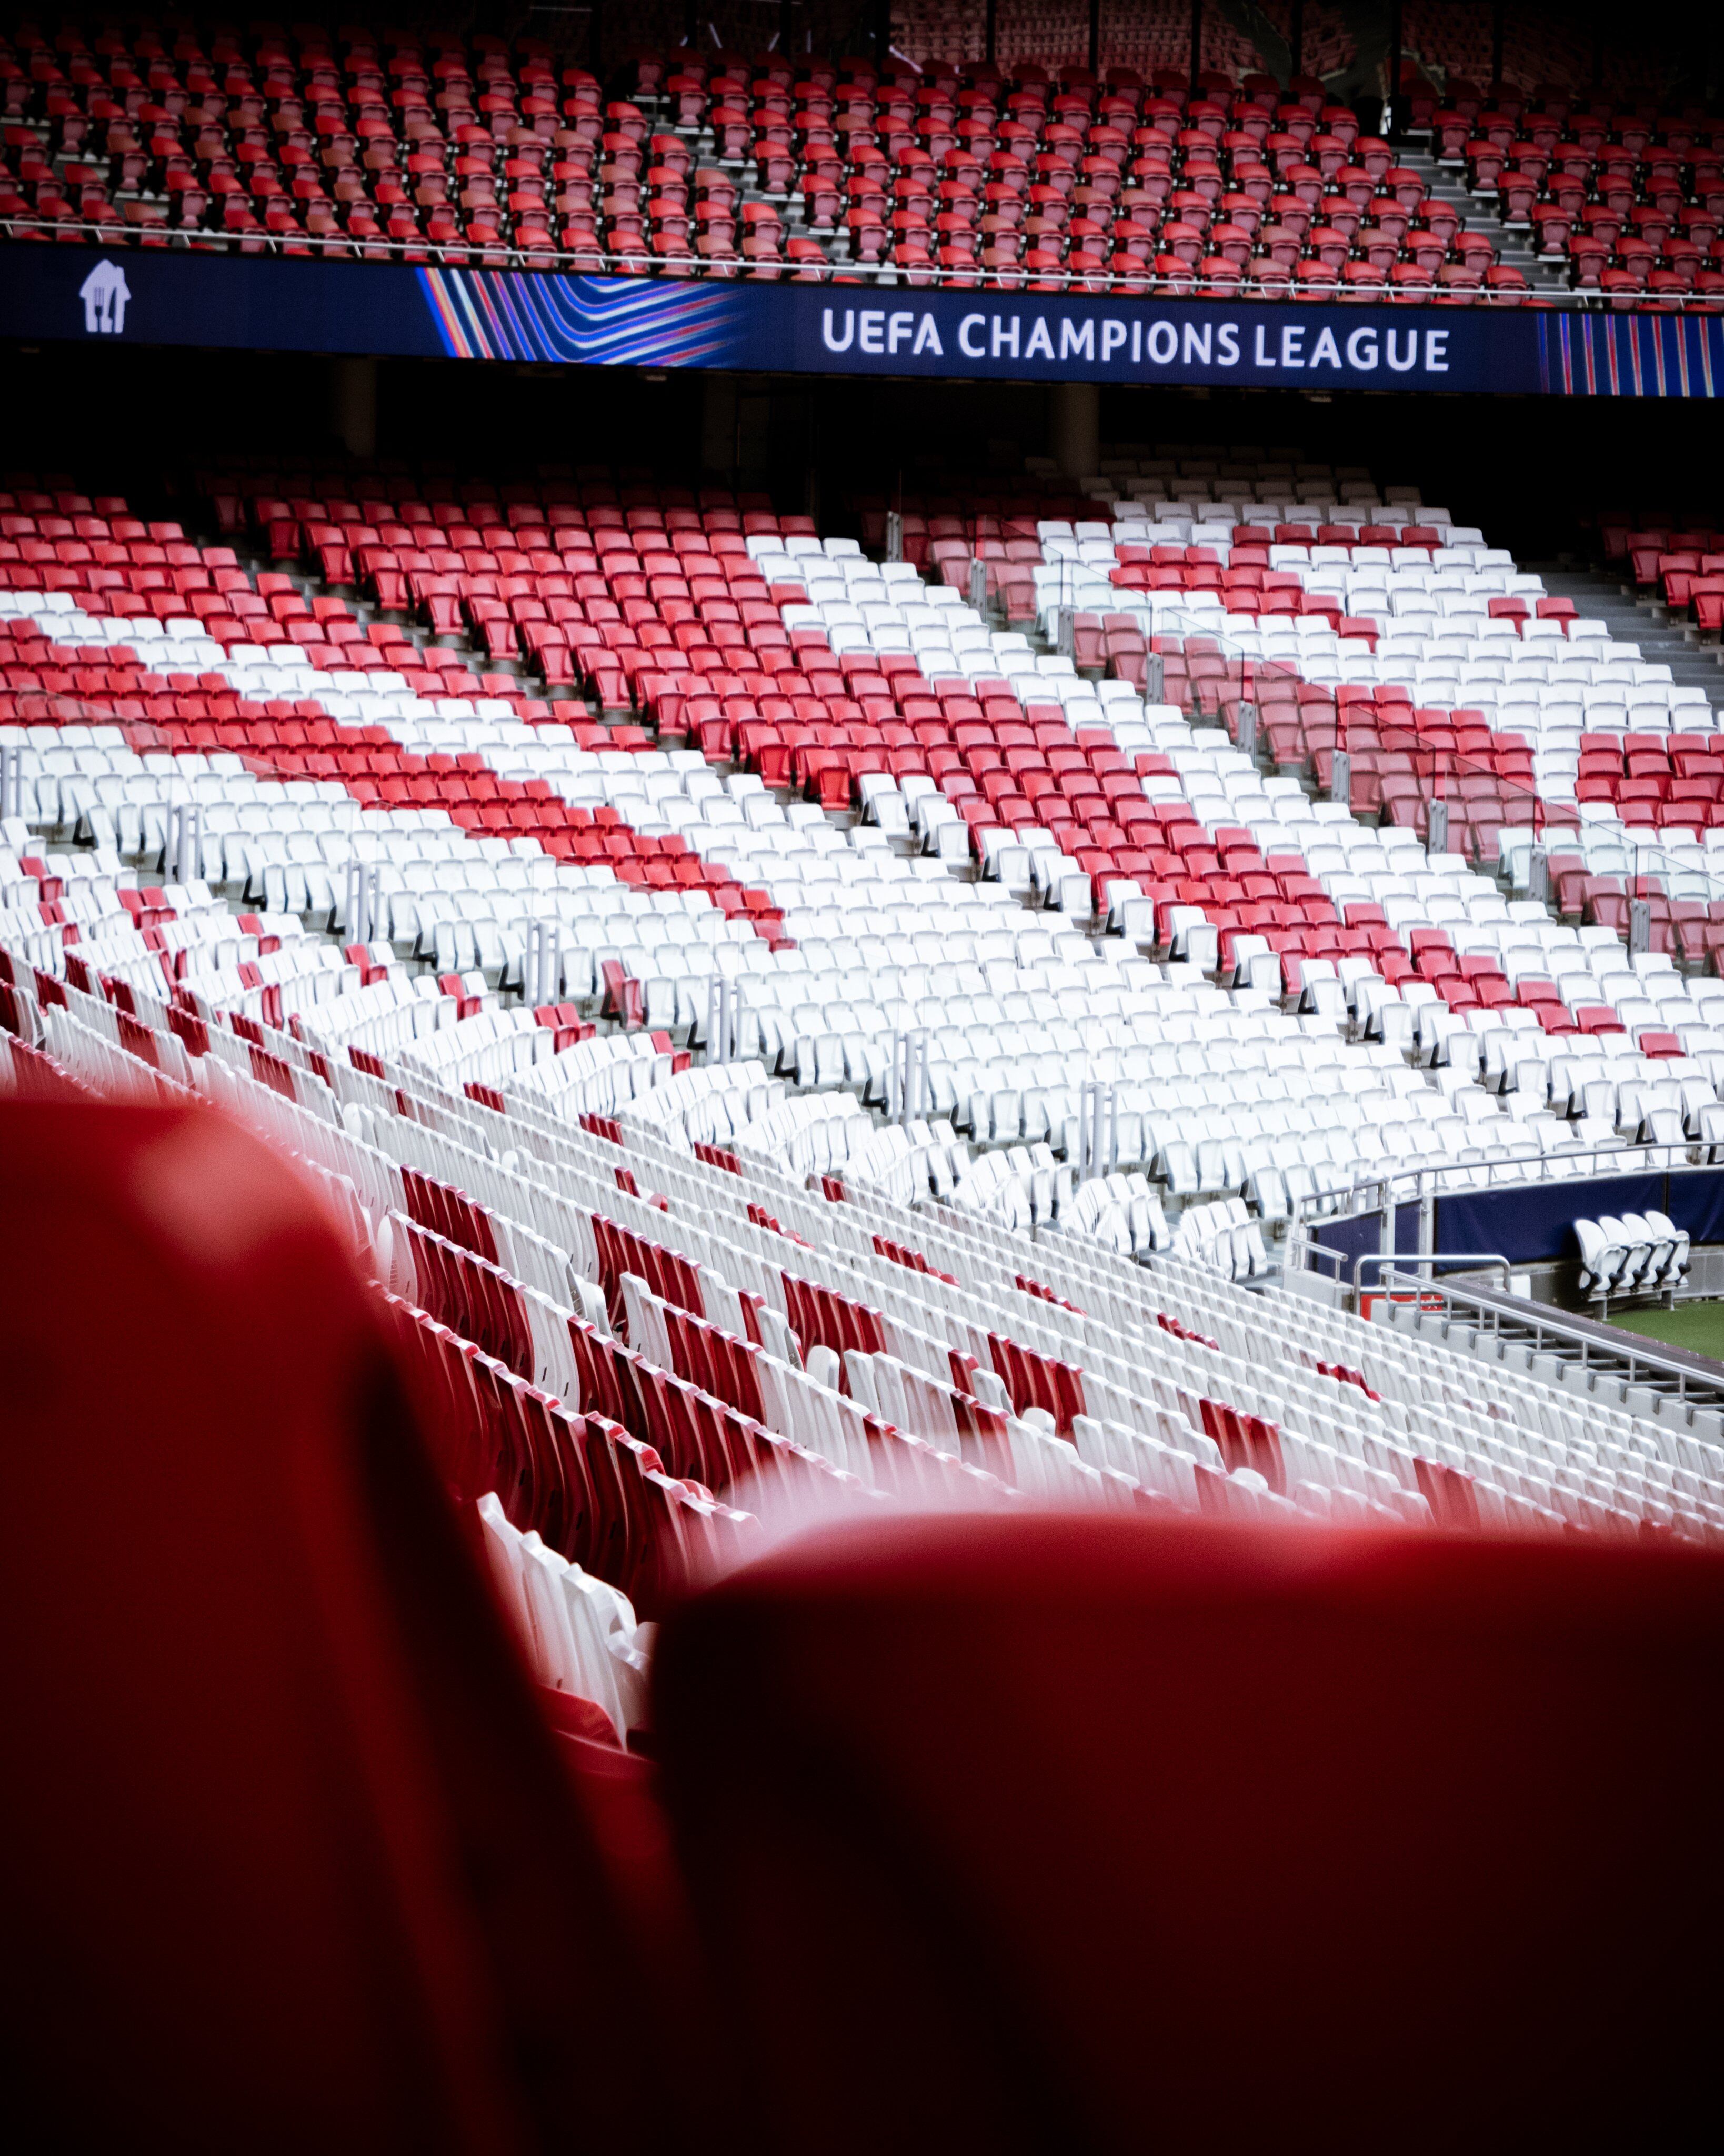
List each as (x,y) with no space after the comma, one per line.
(464,254)
(1393,1179)
(1388,1259)
(1322,1252)
(1593,1350)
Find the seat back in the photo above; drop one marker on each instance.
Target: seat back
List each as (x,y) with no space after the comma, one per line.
(1590,1236)
(289,1854)
(1104,1834)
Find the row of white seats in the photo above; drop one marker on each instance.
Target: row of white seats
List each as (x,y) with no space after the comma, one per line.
(1639,1254)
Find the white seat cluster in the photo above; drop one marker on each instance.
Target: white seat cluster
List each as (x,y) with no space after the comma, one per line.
(1086,1379)
(1639,1254)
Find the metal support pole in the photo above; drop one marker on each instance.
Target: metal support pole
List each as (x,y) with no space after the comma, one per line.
(1065,632)
(1427,1217)
(907,1077)
(895,535)
(722,1026)
(12,783)
(978,584)
(1247,740)
(1436,827)
(1154,686)
(1386,1239)
(542,974)
(787,30)
(1393,69)
(363,911)
(691,23)
(1341,777)
(1196,44)
(1538,876)
(183,854)
(356,911)
(1639,927)
(1098,1129)
(882,32)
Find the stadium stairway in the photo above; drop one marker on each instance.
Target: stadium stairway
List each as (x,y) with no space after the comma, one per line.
(1479,213)
(1602,596)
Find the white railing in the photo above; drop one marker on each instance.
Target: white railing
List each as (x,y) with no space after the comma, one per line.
(1383,1195)
(465,254)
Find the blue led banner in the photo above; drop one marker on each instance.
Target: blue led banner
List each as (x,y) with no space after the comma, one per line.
(50,292)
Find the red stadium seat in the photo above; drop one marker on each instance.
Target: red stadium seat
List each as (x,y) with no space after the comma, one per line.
(288,1842)
(1155,1831)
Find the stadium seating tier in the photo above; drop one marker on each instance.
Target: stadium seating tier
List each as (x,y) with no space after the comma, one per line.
(587,901)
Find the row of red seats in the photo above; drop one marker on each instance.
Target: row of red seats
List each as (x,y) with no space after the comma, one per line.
(621,581)
(1688,805)
(940,88)
(1463,280)
(596,1494)
(1561,223)
(1627,284)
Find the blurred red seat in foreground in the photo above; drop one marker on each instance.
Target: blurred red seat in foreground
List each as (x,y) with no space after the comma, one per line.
(1043,1832)
(291,1860)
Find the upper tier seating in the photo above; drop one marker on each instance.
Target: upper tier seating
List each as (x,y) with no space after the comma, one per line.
(385,146)
(1628,194)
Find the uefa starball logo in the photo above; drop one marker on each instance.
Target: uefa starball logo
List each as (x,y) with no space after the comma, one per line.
(104,293)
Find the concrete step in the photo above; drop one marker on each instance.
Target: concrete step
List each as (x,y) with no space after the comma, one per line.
(1600,597)
(1479,213)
